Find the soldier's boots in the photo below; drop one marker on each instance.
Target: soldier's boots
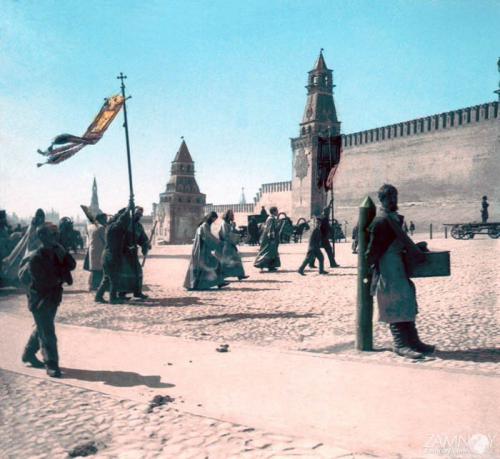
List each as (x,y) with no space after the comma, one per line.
(402,341)
(31,360)
(53,370)
(415,342)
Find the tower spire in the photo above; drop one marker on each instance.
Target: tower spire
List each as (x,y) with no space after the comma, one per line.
(94,200)
(243,199)
(320,114)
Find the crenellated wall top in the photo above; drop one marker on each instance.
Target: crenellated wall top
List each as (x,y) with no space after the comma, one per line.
(275,187)
(448,120)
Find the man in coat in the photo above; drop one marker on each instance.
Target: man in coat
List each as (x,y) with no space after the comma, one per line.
(131,276)
(396,294)
(268,256)
(97,242)
(326,231)
(314,249)
(113,256)
(48,268)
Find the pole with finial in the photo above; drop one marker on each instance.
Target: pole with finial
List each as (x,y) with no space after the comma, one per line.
(131,203)
(498,90)
(123,77)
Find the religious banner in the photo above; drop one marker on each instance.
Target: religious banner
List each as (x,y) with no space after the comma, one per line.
(329,150)
(72,144)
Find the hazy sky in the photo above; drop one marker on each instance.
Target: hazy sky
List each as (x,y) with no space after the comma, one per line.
(229,76)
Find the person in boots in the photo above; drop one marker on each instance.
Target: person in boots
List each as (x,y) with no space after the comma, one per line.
(396,294)
(47,269)
(314,250)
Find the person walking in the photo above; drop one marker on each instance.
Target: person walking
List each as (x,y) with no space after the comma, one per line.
(395,292)
(268,256)
(326,231)
(204,269)
(229,257)
(314,250)
(46,270)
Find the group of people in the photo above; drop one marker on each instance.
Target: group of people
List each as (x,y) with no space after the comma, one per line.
(113,255)
(213,259)
(44,265)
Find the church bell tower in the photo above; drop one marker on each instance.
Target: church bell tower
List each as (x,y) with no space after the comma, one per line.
(319,120)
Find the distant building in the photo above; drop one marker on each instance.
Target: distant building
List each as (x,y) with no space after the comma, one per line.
(52,216)
(441,164)
(94,200)
(181,205)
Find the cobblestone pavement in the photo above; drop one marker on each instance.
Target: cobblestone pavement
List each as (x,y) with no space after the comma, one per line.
(45,419)
(314,313)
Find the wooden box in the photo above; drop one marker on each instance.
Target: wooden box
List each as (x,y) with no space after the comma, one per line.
(435,264)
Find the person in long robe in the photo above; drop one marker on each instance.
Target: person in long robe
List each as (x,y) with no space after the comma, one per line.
(268,256)
(131,275)
(27,244)
(204,269)
(229,257)
(396,293)
(253,231)
(97,238)
(112,258)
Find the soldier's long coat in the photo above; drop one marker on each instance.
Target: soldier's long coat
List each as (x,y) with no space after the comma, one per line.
(396,295)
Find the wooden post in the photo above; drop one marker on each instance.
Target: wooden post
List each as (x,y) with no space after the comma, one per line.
(430,231)
(364,309)
(446,232)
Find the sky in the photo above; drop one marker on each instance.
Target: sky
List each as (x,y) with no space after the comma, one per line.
(229,76)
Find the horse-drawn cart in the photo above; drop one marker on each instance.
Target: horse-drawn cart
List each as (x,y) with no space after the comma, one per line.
(469,230)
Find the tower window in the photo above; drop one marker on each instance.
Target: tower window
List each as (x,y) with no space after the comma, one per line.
(315,79)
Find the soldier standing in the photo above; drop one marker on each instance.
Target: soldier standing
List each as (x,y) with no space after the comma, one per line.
(131,276)
(484,209)
(47,269)
(396,294)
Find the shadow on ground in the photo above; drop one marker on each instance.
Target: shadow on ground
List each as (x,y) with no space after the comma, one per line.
(483,355)
(115,378)
(174,302)
(333,349)
(173,257)
(262,281)
(226,318)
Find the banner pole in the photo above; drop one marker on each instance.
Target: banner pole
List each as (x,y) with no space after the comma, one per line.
(122,77)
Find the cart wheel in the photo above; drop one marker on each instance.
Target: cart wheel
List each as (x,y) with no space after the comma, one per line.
(494,232)
(456,232)
(467,232)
